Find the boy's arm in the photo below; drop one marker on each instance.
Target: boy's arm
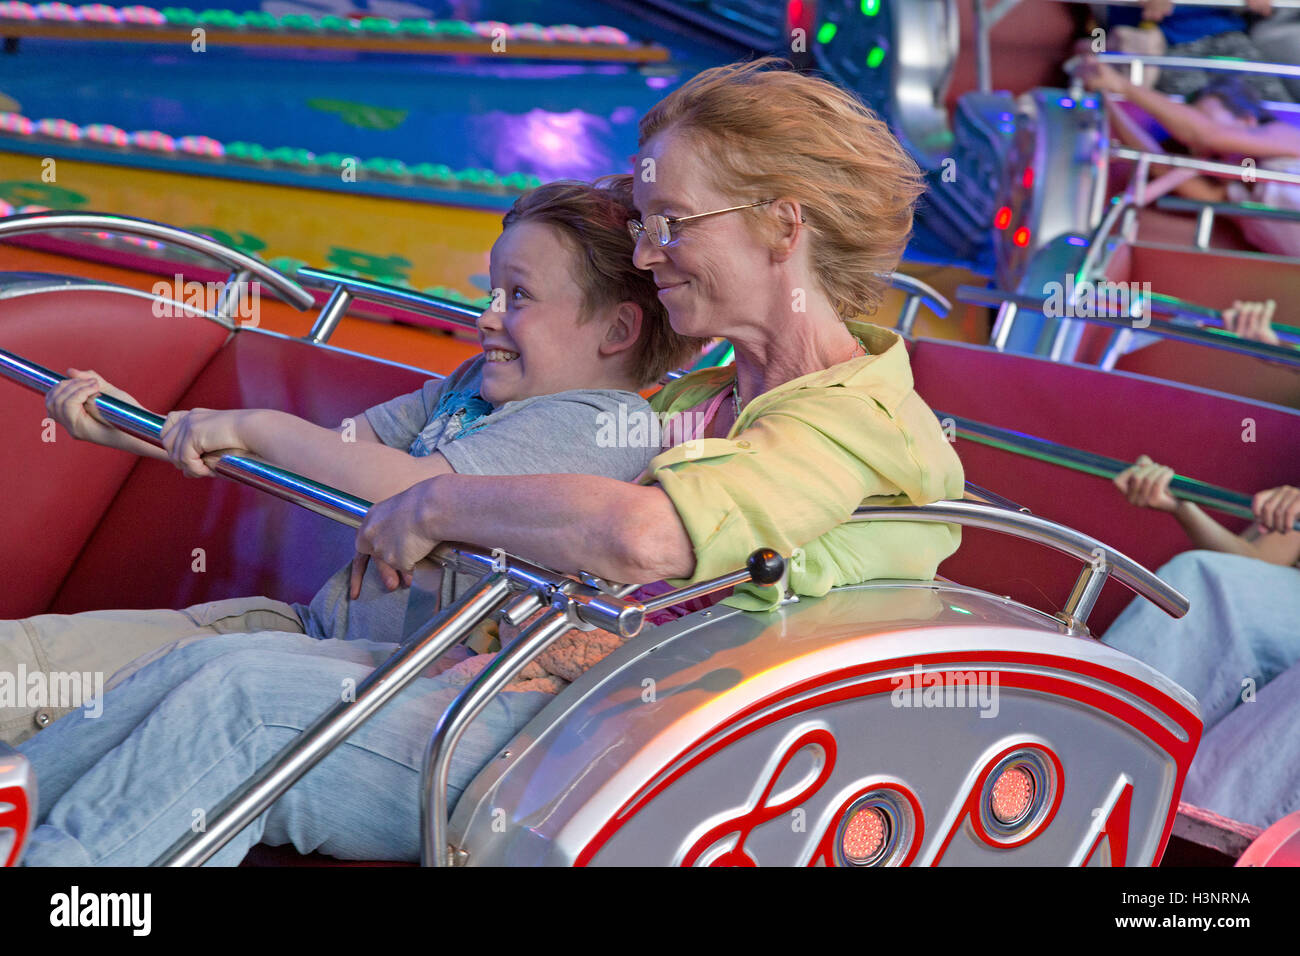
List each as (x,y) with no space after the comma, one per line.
(359,427)
(67,405)
(350,462)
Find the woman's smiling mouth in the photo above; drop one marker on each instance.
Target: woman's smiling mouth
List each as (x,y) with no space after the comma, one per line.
(497,356)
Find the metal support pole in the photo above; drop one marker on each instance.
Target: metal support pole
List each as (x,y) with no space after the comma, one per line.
(434,850)
(1084,594)
(330,315)
(907,319)
(1204,226)
(1002,326)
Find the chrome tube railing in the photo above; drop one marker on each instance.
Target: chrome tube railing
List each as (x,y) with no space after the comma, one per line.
(1041,449)
(1217,338)
(1206,211)
(1209,167)
(764,566)
(25,224)
(434,848)
(1097,556)
(147,425)
(344,289)
(1211,64)
(1246,210)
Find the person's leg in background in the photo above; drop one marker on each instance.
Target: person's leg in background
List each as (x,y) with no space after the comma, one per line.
(1241,626)
(1248,765)
(99,643)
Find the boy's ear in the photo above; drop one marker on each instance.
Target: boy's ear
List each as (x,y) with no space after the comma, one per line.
(624,329)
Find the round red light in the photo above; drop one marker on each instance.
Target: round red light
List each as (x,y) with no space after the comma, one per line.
(1013,794)
(1021,238)
(1003,218)
(865,834)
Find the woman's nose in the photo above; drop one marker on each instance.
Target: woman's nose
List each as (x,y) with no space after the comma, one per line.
(646,253)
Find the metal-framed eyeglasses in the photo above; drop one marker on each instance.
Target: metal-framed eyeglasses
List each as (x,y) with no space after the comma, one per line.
(660,228)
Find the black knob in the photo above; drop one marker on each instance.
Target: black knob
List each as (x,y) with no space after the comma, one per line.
(765,566)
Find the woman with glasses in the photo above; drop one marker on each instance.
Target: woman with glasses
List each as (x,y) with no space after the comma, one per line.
(772,208)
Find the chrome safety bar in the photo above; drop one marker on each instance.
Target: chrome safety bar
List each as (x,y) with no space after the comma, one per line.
(344,289)
(1209,63)
(1206,211)
(1217,338)
(1101,560)
(1248,210)
(243,266)
(764,566)
(434,848)
(148,426)
(917,292)
(1031,446)
(623,618)
(1218,170)
(1225,4)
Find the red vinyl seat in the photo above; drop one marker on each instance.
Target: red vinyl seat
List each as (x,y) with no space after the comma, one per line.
(117,334)
(142,553)
(1214,279)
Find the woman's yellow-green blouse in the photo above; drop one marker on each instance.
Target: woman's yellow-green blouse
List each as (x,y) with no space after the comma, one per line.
(801,458)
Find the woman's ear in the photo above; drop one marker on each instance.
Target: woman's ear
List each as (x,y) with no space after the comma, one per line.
(788,228)
(624,329)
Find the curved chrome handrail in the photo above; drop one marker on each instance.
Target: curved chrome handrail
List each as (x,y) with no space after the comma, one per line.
(917,292)
(1041,531)
(1208,63)
(1097,241)
(37,222)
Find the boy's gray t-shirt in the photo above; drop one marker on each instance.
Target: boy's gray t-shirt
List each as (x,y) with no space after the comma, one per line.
(565,433)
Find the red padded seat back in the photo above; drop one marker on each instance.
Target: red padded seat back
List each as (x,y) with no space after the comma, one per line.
(1205,278)
(1218,369)
(1215,278)
(1197,432)
(117,334)
(143,553)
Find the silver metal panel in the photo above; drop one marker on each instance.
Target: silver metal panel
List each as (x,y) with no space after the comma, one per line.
(660,702)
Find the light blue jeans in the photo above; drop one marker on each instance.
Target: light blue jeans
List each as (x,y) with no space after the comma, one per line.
(1237,651)
(184,731)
